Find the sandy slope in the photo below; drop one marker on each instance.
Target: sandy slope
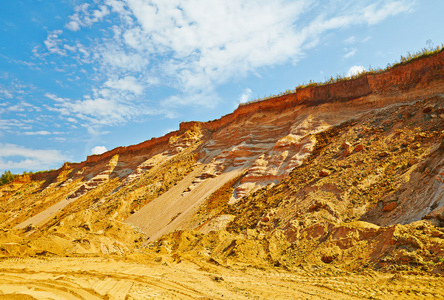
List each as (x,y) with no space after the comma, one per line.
(46,215)
(169,211)
(106,278)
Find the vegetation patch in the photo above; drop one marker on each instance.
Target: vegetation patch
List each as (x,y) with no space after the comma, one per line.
(7,177)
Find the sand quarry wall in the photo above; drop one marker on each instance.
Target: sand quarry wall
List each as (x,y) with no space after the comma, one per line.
(417,73)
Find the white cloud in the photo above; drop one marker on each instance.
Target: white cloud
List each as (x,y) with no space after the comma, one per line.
(5,93)
(22,107)
(73,25)
(55,98)
(355,70)
(83,17)
(60,139)
(114,59)
(43,132)
(32,159)
(14,89)
(98,150)
(350,40)
(350,52)
(53,42)
(373,13)
(211,41)
(366,39)
(208,99)
(246,95)
(128,83)
(98,111)
(16,108)
(70,48)
(14,123)
(105,107)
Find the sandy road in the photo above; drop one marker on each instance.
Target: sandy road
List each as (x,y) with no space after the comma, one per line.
(102,278)
(64,278)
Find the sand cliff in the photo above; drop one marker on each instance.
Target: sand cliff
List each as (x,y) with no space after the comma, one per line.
(346,175)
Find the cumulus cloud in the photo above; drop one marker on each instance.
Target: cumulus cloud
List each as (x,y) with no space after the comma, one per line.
(98,150)
(246,95)
(355,70)
(209,42)
(73,25)
(31,159)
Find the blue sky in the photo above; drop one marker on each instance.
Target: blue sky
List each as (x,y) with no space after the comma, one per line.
(79,77)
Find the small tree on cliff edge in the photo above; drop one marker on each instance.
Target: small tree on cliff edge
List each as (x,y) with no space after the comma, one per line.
(7,177)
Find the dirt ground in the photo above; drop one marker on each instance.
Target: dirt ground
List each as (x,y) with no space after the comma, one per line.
(164,278)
